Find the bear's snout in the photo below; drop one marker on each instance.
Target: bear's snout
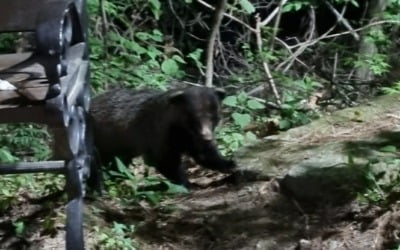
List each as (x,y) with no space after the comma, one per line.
(207,131)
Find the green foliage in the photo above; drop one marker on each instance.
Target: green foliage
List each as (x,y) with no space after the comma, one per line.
(231,139)
(291,117)
(125,54)
(195,56)
(117,237)
(247,6)
(123,184)
(292,114)
(377,63)
(155,7)
(19,227)
(394,89)
(6,156)
(243,110)
(374,194)
(383,178)
(295,5)
(392,10)
(27,141)
(35,185)
(242,106)
(7,42)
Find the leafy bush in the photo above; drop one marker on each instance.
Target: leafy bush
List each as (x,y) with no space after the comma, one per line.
(123,184)
(24,141)
(127,56)
(117,237)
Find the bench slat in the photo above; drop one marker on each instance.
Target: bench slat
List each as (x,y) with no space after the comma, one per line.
(32,167)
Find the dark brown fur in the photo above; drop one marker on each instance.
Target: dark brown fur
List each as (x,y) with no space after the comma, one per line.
(160,126)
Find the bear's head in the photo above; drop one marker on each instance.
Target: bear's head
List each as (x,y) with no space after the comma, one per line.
(198,110)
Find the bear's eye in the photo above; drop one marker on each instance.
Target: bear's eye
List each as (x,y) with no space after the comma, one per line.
(215,119)
(194,121)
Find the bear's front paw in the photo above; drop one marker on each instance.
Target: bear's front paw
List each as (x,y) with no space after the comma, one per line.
(227,166)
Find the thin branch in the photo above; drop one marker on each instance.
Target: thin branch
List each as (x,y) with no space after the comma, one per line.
(301,49)
(273,13)
(287,47)
(326,36)
(219,13)
(335,62)
(359,29)
(104,27)
(270,79)
(276,24)
(171,7)
(303,46)
(343,20)
(233,18)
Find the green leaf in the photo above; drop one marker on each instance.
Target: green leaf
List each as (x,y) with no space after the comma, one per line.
(175,189)
(157,35)
(237,137)
(170,67)
(123,169)
(144,36)
(178,59)
(195,55)
(6,156)
(247,6)
(242,97)
(250,136)
(389,149)
(151,196)
(134,46)
(241,119)
(254,104)
(284,124)
(155,8)
(355,3)
(230,101)
(19,228)
(153,52)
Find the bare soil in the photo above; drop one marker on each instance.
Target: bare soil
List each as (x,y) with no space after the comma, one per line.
(217,214)
(224,212)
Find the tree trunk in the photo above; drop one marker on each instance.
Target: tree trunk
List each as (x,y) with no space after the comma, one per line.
(367,49)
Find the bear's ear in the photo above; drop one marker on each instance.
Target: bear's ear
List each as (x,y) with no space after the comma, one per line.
(220,93)
(176,97)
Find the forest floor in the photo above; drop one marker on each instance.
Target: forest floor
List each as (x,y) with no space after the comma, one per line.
(215,215)
(220,212)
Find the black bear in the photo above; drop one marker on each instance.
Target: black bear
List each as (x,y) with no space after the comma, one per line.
(160,126)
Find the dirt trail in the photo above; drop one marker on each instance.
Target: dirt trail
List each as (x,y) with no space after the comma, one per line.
(221,215)
(251,215)
(256,216)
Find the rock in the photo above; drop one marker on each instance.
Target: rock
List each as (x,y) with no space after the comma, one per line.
(328,159)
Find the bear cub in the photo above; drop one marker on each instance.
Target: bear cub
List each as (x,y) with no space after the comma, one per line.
(161,127)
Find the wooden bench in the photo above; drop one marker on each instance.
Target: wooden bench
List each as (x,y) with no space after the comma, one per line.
(50,85)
